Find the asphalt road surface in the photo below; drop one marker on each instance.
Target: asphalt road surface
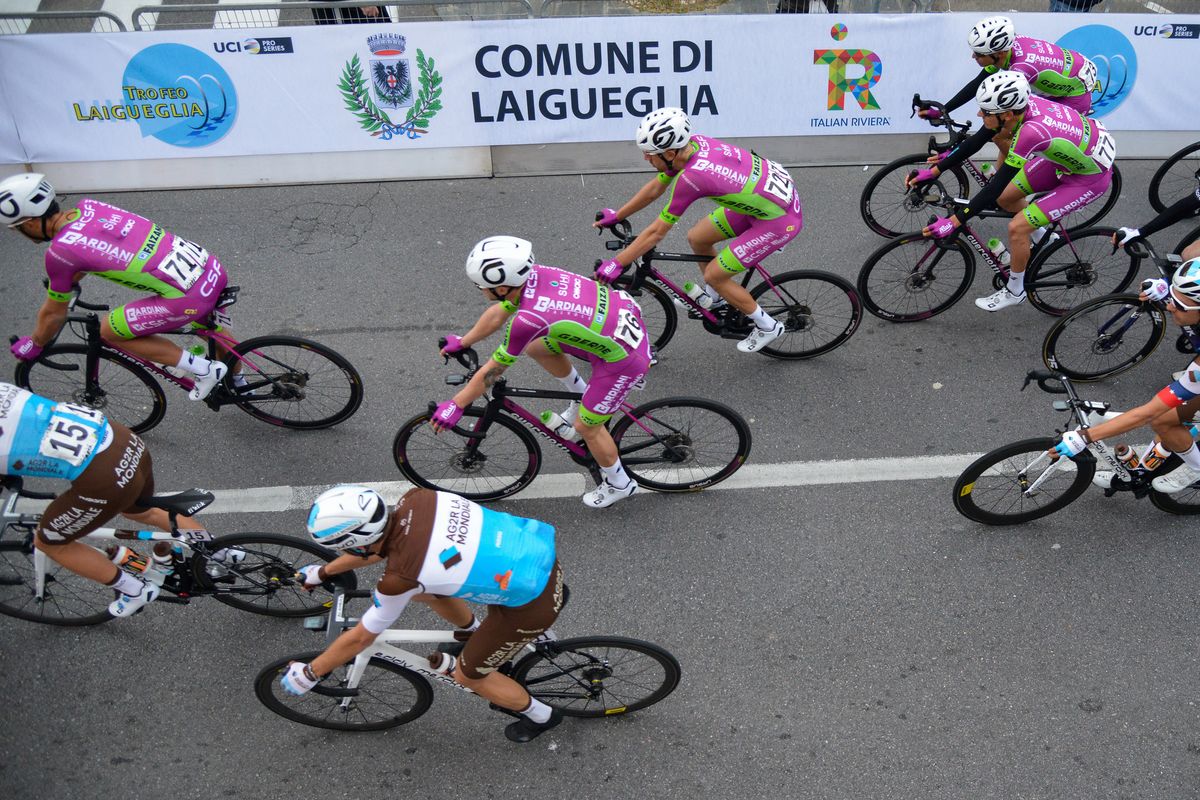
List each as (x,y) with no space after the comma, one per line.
(848,637)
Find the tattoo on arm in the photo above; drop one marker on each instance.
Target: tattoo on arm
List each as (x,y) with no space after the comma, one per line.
(492,375)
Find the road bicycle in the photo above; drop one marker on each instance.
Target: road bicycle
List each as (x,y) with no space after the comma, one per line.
(1026,480)
(250,571)
(385,685)
(819,310)
(1112,334)
(677,444)
(890,208)
(283,380)
(915,277)
(1176,177)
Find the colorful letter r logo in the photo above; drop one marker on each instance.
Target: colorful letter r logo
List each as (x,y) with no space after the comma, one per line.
(839,84)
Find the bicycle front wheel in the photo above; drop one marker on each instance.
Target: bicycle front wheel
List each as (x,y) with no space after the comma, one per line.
(912,278)
(1103,337)
(502,463)
(387,695)
(258,574)
(681,444)
(293,382)
(124,392)
(658,310)
(819,310)
(598,676)
(890,209)
(1176,178)
(67,598)
(996,489)
(1074,270)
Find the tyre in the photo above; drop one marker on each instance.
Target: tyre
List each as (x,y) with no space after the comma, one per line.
(1184,503)
(122,390)
(67,599)
(264,581)
(890,209)
(658,309)
(819,310)
(503,463)
(1071,271)
(1103,337)
(991,490)
(598,676)
(1191,237)
(387,695)
(1176,178)
(1098,209)
(293,383)
(681,444)
(912,278)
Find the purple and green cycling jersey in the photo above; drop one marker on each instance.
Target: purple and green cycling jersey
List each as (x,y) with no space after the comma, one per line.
(759,208)
(1063,75)
(114,244)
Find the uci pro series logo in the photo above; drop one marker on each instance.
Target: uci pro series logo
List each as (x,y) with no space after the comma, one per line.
(1115,60)
(842,66)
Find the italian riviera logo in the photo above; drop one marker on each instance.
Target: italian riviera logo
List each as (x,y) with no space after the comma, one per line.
(391,87)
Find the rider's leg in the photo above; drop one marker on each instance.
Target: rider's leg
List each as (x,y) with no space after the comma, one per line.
(81,559)
(759,239)
(451,609)
(551,358)
(704,236)
(1191,251)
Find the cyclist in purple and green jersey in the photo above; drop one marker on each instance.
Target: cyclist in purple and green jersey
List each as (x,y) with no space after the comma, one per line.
(96,238)
(758,212)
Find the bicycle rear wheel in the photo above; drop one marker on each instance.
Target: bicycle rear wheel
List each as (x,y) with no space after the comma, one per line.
(598,676)
(1074,270)
(992,489)
(503,463)
(819,310)
(912,278)
(1098,209)
(1184,503)
(681,444)
(658,309)
(1176,178)
(1103,337)
(67,599)
(124,392)
(263,581)
(890,209)
(293,382)
(387,695)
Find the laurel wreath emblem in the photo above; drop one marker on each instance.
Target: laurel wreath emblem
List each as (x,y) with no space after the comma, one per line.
(356,92)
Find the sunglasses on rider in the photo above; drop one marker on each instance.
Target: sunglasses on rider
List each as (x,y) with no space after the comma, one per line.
(1173,299)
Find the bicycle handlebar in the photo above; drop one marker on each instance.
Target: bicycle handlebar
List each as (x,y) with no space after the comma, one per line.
(621,229)
(14,484)
(467,357)
(943,120)
(1043,378)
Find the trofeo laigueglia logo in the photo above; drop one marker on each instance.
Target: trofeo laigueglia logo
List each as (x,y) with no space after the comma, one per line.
(390,86)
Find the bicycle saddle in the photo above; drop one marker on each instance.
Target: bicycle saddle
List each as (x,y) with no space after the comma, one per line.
(187,503)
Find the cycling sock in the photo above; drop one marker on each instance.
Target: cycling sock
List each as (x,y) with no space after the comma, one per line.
(762,320)
(537,711)
(1016,283)
(473,626)
(1191,457)
(1038,233)
(574,382)
(127,584)
(197,365)
(712,293)
(616,475)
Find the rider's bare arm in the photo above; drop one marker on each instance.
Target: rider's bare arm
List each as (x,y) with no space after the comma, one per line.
(654,233)
(653,189)
(50,319)
(480,382)
(489,322)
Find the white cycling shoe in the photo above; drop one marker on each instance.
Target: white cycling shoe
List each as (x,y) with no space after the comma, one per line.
(1000,300)
(1176,480)
(1104,479)
(203,384)
(606,494)
(758,338)
(127,606)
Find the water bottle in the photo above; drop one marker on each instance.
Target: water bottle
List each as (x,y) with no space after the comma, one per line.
(128,559)
(555,422)
(999,251)
(1155,455)
(697,293)
(442,663)
(1127,457)
(988,170)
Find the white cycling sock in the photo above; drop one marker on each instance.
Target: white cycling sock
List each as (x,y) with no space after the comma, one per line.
(1016,283)
(538,711)
(474,626)
(762,320)
(712,293)
(616,475)
(1038,233)
(1191,457)
(573,383)
(126,584)
(197,365)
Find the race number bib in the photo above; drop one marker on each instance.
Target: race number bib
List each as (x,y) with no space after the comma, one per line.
(1089,76)
(185,263)
(66,438)
(1104,152)
(778,182)
(629,330)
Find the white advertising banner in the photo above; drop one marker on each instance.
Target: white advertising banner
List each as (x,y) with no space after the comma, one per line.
(351,88)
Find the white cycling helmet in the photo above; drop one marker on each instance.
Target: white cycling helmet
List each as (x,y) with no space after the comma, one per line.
(1186,282)
(664,129)
(25,196)
(992,35)
(347,517)
(500,261)
(1004,91)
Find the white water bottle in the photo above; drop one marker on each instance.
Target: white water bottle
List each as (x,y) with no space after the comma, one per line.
(697,293)
(999,251)
(442,663)
(988,170)
(557,423)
